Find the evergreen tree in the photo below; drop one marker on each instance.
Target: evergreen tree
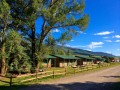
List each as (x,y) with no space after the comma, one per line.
(17,57)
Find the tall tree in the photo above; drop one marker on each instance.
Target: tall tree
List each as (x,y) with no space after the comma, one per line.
(67,15)
(25,14)
(17,57)
(4,22)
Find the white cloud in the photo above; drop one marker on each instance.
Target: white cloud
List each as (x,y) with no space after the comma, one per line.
(75,46)
(104,33)
(105,37)
(118,49)
(117,41)
(56,30)
(116,36)
(67,45)
(108,52)
(94,45)
(88,49)
(81,32)
(72,40)
(108,40)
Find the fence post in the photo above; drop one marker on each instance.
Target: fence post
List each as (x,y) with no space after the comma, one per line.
(36,74)
(87,67)
(53,74)
(81,68)
(65,72)
(11,80)
(74,70)
(99,65)
(92,67)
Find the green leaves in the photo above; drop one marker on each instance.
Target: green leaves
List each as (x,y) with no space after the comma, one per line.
(4,9)
(15,51)
(21,15)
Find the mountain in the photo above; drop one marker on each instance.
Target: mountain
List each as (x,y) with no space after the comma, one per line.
(103,54)
(81,51)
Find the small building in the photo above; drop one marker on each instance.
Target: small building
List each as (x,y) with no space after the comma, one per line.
(65,60)
(110,58)
(48,61)
(98,59)
(84,59)
(117,59)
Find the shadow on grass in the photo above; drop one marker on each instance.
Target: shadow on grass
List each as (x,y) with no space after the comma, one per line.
(70,86)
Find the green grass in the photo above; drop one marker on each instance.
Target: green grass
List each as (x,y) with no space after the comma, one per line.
(70,71)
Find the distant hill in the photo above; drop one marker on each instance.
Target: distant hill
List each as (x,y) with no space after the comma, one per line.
(81,51)
(103,54)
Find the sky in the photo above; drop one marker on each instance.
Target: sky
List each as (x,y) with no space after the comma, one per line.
(103,31)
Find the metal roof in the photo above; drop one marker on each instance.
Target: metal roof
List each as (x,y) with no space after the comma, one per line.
(98,57)
(66,56)
(85,57)
(49,57)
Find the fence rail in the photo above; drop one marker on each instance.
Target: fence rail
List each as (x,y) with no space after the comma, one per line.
(53,73)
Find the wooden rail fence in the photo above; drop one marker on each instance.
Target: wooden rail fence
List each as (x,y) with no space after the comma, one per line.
(53,73)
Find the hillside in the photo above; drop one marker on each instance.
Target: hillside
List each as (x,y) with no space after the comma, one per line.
(81,51)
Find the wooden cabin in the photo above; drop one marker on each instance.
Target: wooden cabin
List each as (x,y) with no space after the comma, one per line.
(84,59)
(98,59)
(48,61)
(109,58)
(65,60)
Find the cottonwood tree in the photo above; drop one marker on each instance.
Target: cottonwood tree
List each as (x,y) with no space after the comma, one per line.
(5,19)
(67,15)
(25,13)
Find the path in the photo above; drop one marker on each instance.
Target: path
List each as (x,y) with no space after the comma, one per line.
(99,80)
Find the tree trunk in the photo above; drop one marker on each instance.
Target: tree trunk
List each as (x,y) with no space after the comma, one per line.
(3,60)
(33,47)
(3,57)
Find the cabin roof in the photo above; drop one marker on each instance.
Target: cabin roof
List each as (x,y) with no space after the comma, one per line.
(49,57)
(85,57)
(98,57)
(66,56)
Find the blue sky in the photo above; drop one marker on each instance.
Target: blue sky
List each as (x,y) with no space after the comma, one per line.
(103,31)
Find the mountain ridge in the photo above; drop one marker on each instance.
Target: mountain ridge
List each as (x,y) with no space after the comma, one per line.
(81,51)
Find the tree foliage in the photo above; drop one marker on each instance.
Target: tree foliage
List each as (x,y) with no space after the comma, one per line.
(21,15)
(5,19)
(17,57)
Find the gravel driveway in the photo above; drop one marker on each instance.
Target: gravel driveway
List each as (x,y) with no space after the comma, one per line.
(99,80)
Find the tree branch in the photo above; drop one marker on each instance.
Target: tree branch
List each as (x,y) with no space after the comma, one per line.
(61,26)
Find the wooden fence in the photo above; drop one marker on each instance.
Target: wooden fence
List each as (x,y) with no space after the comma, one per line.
(53,73)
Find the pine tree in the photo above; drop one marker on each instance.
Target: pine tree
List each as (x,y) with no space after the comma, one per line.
(17,57)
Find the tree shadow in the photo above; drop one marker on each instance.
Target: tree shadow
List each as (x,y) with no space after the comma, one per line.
(111,76)
(88,85)
(70,86)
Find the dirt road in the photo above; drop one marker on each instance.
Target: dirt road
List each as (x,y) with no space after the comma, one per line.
(99,80)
